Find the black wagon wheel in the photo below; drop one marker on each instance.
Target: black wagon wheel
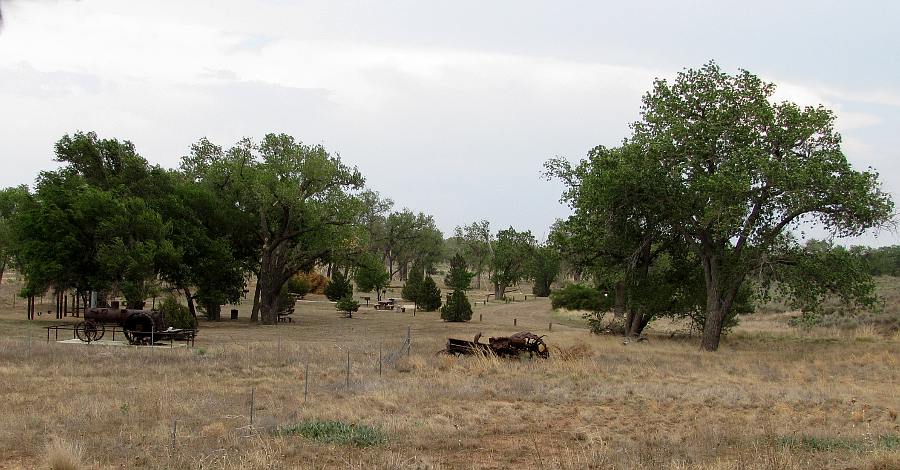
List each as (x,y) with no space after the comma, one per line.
(89,331)
(139,328)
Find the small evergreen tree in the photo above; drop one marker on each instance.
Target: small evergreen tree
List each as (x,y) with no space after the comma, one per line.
(414,280)
(429,296)
(457,308)
(339,287)
(458,278)
(348,306)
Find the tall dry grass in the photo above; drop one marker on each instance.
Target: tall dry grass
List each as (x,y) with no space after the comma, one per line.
(596,403)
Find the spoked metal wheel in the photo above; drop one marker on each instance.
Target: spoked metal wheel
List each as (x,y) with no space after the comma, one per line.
(89,331)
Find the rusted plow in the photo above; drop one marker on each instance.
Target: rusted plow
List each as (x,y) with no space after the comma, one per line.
(504,346)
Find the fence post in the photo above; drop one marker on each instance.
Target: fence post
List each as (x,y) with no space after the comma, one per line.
(251,406)
(306,382)
(479,316)
(550,327)
(515,321)
(408,340)
(174,432)
(348,368)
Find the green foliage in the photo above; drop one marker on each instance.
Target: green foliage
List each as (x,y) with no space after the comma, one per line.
(580,297)
(414,281)
(336,432)
(298,202)
(716,174)
(371,274)
(458,308)
(405,237)
(883,261)
(476,242)
(339,286)
(429,296)
(299,285)
(347,305)
(832,443)
(12,201)
(543,268)
(512,252)
(177,315)
(458,278)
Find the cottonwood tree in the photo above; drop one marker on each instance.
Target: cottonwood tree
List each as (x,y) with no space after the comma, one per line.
(302,198)
(12,201)
(543,267)
(741,171)
(512,251)
(620,229)
(476,243)
(371,275)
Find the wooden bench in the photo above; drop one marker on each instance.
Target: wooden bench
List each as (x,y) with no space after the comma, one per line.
(284,316)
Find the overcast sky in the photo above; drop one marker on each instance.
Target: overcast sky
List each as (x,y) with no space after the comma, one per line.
(447,107)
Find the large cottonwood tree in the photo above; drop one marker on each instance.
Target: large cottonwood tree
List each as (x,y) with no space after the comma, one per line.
(742,171)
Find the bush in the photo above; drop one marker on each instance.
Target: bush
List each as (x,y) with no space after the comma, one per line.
(335,432)
(317,282)
(579,297)
(348,306)
(339,287)
(429,296)
(457,308)
(177,315)
(299,285)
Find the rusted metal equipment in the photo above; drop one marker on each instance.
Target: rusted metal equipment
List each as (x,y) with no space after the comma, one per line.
(504,346)
(139,326)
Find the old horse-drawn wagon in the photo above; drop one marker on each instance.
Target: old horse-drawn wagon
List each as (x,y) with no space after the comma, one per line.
(139,326)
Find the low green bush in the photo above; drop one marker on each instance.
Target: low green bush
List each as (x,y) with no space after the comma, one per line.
(335,432)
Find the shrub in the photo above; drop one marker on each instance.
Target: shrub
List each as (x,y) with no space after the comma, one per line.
(63,455)
(299,285)
(317,282)
(579,297)
(339,287)
(429,296)
(176,315)
(457,308)
(348,306)
(335,432)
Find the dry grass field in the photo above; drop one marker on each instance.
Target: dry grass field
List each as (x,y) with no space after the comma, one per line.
(772,397)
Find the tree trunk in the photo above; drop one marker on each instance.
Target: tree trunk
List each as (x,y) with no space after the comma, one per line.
(254,313)
(499,291)
(269,303)
(715,316)
(638,321)
(190,302)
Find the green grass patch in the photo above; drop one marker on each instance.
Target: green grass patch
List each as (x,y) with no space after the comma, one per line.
(335,432)
(835,444)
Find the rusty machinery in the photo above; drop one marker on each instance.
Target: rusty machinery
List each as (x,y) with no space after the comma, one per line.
(139,326)
(504,346)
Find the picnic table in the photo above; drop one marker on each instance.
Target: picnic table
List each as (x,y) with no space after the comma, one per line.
(389,304)
(284,316)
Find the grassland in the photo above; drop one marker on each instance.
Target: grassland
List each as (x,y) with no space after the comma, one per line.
(772,397)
